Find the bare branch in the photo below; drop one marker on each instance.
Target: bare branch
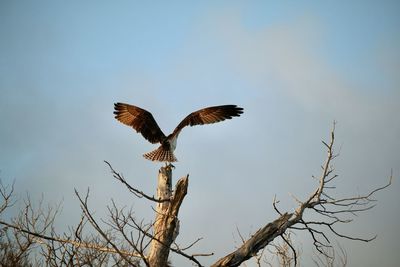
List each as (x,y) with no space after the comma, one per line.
(287,241)
(135,191)
(126,241)
(257,242)
(333,211)
(85,209)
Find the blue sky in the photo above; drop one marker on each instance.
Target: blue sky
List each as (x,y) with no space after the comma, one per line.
(293,67)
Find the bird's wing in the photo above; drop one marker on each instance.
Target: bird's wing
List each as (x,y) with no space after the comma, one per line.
(139,119)
(209,115)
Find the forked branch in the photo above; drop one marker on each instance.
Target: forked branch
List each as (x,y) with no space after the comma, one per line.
(332,210)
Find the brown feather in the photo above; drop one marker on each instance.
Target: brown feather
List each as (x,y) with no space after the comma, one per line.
(143,122)
(139,119)
(209,115)
(161,154)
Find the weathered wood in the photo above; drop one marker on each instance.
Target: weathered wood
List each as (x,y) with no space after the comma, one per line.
(166,225)
(258,241)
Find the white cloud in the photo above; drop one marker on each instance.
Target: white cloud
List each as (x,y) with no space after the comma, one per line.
(287,57)
(290,59)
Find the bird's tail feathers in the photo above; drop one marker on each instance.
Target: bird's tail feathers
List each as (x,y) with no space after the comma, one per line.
(161,154)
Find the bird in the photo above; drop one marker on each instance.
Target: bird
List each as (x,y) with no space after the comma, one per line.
(144,123)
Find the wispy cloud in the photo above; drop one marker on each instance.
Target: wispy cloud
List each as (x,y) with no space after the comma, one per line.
(288,57)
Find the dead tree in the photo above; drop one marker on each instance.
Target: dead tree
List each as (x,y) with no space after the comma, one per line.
(166,224)
(330,209)
(123,240)
(126,241)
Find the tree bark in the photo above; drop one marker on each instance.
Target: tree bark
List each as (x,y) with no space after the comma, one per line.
(258,241)
(166,225)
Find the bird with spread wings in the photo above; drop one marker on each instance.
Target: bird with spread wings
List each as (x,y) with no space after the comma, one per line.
(143,122)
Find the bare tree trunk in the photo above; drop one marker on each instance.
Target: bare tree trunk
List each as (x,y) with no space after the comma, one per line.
(166,225)
(258,241)
(117,246)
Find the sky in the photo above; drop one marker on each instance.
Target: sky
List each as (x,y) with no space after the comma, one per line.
(294,67)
